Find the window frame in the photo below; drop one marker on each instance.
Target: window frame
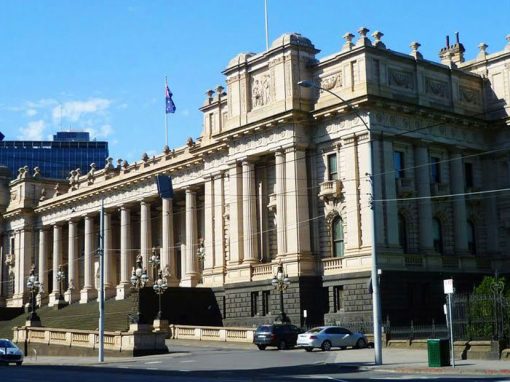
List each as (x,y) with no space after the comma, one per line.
(334,240)
(332,158)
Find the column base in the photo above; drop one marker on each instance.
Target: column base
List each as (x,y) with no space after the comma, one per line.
(41,299)
(161,326)
(71,296)
(190,280)
(123,290)
(56,300)
(35,322)
(172,281)
(137,328)
(87,294)
(109,292)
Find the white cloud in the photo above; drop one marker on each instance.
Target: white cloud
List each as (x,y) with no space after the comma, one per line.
(31,112)
(33,131)
(102,133)
(73,110)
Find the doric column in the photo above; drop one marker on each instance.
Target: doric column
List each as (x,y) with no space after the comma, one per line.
(209,203)
(71,295)
(424,204)
(219,210)
(57,261)
(167,241)
(190,279)
(235,215)
(459,204)
(42,271)
(145,231)
(296,202)
(280,203)
(125,256)
(250,240)
(109,277)
(88,291)
(391,208)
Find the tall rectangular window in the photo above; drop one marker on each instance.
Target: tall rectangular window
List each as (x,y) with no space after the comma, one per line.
(468,175)
(398,164)
(435,169)
(265,302)
(338,297)
(254,303)
(332,167)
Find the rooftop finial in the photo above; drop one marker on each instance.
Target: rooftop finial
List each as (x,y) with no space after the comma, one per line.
(363,40)
(507,47)
(415,45)
(377,42)
(348,41)
(483,51)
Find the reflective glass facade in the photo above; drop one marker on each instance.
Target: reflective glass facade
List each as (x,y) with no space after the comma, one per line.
(68,151)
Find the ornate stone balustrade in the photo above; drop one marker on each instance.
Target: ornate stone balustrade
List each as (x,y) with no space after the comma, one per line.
(335,265)
(465,263)
(211,333)
(262,271)
(49,340)
(331,189)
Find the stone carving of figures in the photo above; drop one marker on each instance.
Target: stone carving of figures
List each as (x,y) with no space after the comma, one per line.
(37,172)
(256,94)
(43,194)
(72,174)
(23,172)
(57,189)
(109,164)
(266,90)
(90,174)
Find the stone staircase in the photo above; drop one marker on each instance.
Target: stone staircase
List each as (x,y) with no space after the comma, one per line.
(77,316)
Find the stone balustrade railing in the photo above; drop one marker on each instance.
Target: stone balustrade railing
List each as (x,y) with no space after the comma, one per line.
(212,333)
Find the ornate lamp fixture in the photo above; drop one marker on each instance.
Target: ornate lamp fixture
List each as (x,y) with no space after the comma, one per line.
(281,282)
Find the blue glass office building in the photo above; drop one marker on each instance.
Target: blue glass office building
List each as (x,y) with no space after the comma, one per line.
(55,159)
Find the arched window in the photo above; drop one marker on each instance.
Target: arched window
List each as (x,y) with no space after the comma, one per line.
(437,233)
(338,237)
(471,237)
(402,233)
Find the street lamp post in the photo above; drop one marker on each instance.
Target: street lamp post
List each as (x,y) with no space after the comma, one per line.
(160,287)
(33,286)
(201,258)
(138,280)
(61,276)
(376,297)
(281,282)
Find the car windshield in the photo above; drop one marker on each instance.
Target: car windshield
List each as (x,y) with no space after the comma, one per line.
(314,330)
(6,344)
(264,329)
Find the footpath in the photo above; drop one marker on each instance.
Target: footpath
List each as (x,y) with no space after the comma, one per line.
(394,360)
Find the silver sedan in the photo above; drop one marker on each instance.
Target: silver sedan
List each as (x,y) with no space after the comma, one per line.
(326,337)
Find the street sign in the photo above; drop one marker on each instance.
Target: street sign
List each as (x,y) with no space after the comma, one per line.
(448,286)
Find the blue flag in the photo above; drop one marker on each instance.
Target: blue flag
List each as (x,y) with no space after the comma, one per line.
(170,105)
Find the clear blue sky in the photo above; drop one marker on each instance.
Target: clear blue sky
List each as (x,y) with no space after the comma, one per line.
(100,65)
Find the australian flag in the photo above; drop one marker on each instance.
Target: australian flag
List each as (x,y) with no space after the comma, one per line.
(169,103)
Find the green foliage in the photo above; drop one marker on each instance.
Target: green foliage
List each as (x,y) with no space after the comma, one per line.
(488,309)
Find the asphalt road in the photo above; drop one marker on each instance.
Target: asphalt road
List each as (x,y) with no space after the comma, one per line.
(188,363)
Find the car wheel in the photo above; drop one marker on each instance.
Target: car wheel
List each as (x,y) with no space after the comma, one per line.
(308,349)
(261,347)
(326,346)
(18,363)
(282,345)
(361,343)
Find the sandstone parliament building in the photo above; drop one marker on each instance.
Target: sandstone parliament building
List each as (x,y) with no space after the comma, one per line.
(280,173)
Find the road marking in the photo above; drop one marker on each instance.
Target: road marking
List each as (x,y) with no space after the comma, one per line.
(188,360)
(152,362)
(151,368)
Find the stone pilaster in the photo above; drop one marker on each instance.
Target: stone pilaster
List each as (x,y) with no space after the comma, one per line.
(236,215)
(351,187)
(109,276)
(459,204)
(281,242)
(88,291)
(191,277)
(250,240)
(209,203)
(391,208)
(54,296)
(219,209)
(297,219)
(125,256)
(425,243)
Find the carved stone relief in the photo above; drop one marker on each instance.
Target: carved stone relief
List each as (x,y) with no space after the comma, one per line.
(332,81)
(260,90)
(436,88)
(400,79)
(469,95)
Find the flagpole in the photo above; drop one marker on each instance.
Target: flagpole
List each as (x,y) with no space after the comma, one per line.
(265,14)
(166,116)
